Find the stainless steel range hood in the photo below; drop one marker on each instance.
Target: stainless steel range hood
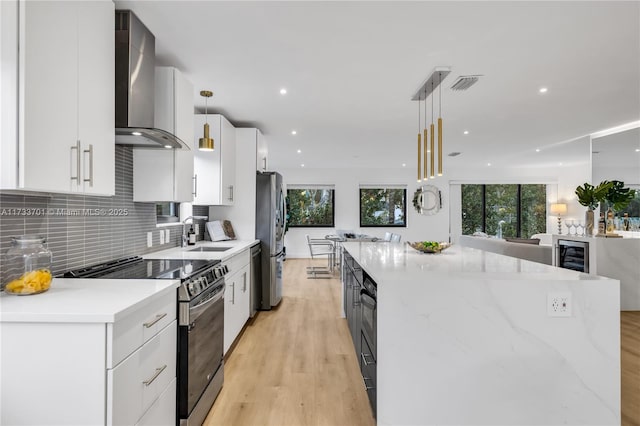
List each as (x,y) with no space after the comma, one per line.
(135,84)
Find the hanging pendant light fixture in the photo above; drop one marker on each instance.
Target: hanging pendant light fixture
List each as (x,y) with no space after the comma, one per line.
(425,136)
(439,126)
(432,138)
(206,143)
(427,88)
(419,145)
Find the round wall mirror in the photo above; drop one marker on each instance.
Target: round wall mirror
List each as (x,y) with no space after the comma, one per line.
(427,200)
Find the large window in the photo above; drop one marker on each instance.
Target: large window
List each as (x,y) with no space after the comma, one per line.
(309,207)
(383,207)
(509,210)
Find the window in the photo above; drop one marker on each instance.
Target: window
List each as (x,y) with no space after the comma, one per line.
(310,206)
(167,212)
(383,207)
(509,210)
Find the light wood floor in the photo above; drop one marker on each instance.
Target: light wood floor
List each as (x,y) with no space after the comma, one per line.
(295,365)
(630,354)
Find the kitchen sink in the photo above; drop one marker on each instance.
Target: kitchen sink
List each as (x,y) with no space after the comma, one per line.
(211,249)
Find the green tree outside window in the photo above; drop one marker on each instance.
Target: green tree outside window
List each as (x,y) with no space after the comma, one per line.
(309,207)
(383,207)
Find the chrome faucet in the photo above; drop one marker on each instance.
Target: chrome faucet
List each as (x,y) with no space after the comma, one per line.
(184,222)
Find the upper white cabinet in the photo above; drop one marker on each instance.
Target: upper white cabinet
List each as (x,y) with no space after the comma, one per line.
(65,96)
(215,171)
(167,175)
(262,152)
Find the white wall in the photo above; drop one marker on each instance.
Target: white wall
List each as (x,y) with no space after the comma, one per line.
(347,183)
(562,182)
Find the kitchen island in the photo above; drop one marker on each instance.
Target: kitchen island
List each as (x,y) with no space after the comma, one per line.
(467,337)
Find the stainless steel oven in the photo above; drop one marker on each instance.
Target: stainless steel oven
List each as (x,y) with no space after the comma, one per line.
(200,341)
(368,338)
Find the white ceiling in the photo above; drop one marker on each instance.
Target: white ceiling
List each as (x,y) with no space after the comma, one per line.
(351,68)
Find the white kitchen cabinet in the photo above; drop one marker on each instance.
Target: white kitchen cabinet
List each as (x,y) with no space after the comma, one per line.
(65,98)
(262,152)
(215,171)
(237,296)
(92,373)
(167,175)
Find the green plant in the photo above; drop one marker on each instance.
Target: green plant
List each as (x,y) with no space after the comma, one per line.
(590,196)
(618,196)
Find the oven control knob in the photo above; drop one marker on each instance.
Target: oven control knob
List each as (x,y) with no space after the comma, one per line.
(191,288)
(226,269)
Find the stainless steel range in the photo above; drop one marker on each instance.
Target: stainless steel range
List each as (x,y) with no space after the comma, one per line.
(200,368)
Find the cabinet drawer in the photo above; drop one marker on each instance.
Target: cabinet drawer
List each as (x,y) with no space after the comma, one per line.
(128,334)
(138,381)
(238,261)
(163,411)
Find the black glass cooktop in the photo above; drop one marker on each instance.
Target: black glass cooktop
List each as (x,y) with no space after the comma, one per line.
(138,268)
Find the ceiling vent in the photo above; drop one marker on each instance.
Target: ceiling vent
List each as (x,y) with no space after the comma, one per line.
(465,81)
(454,154)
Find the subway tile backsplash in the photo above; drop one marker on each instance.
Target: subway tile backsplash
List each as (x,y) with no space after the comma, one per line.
(81,240)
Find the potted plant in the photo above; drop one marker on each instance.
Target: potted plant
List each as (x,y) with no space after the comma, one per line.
(591,196)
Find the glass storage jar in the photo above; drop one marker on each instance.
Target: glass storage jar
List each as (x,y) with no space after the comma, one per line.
(27,265)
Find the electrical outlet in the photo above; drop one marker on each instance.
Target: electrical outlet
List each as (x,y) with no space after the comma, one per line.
(149,239)
(559,304)
(161,237)
(167,236)
(196,228)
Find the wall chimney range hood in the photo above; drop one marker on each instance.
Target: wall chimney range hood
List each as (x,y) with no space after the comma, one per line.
(135,84)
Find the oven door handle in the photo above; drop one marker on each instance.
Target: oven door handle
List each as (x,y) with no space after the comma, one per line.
(196,311)
(365,292)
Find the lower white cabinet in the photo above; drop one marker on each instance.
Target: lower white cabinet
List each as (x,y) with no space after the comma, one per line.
(237,297)
(78,373)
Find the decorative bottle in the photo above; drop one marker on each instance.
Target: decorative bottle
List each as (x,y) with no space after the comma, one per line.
(625,222)
(191,236)
(610,223)
(601,224)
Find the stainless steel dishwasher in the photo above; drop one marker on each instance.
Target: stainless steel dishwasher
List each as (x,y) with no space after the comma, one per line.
(256,278)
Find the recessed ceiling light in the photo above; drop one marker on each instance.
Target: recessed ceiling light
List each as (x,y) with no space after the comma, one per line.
(559,164)
(283,91)
(537,149)
(466,132)
(489,164)
(404,165)
(136,133)
(168,146)
(301,165)
(543,90)
(293,132)
(299,151)
(637,149)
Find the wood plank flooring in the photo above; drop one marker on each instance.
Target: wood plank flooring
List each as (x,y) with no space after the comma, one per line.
(295,365)
(630,354)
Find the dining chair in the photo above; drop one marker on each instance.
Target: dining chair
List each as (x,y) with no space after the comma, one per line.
(395,238)
(387,236)
(320,247)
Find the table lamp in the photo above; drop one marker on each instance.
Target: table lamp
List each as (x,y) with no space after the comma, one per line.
(559,209)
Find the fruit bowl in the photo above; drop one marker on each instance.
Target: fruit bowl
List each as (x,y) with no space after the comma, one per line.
(429,246)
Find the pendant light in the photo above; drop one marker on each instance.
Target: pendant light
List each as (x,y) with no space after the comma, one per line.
(206,143)
(432,137)
(419,145)
(439,126)
(426,176)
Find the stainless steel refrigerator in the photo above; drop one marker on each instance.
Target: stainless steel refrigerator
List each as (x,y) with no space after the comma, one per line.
(270,228)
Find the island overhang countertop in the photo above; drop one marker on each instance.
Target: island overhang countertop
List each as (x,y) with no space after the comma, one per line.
(465,337)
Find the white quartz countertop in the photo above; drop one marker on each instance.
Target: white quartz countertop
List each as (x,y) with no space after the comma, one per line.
(185,252)
(388,261)
(78,300)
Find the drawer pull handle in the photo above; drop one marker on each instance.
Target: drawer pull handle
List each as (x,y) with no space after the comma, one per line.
(155,376)
(152,323)
(367,387)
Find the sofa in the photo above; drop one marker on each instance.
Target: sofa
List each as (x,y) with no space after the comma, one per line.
(541,253)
